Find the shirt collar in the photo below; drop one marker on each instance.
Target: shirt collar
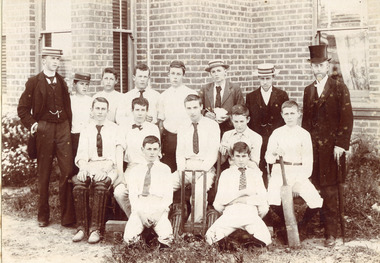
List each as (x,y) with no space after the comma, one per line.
(223,85)
(266,92)
(322,83)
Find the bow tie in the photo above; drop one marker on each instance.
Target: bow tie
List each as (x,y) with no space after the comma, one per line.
(135,126)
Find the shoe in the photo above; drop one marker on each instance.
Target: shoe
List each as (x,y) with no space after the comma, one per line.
(94,237)
(78,236)
(43,223)
(330,241)
(163,247)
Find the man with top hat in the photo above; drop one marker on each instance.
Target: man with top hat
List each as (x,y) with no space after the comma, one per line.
(327,115)
(264,106)
(44,109)
(219,96)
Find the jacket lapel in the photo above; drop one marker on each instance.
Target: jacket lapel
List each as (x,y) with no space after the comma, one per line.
(210,94)
(273,97)
(227,91)
(42,85)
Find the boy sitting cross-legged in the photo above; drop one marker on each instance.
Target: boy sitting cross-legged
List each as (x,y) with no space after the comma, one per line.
(241,197)
(150,193)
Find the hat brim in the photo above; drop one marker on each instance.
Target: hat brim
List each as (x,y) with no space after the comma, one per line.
(318,60)
(87,80)
(208,69)
(256,73)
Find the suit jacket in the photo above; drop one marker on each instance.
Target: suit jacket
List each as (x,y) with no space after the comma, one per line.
(32,103)
(258,122)
(232,95)
(330,122)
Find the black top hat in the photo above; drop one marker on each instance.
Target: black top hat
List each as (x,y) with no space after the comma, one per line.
(82,76)
(318,54)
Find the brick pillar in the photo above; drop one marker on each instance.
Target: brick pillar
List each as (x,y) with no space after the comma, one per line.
(92,39)
(19,30)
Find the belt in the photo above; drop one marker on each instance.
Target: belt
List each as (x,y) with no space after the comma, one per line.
(289,163)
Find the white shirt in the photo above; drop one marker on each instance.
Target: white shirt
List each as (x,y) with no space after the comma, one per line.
(81,109)
(266,95)
(171,107)
(209,140)
(161,183)
(228,188)
(223,85)
(124,110)
(296,144)
(321,85)
(134,139)
(114,99)
(111,138)
(251,138)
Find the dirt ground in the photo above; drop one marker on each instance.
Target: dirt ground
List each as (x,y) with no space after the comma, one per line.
(23,241)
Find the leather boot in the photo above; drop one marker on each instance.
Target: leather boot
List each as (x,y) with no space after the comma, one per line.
(81,200)
(302,225)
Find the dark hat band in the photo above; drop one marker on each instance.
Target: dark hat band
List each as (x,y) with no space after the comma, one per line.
(82,76)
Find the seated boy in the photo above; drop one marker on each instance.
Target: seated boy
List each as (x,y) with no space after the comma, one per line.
(100,160)
(294,144)
(150,193)
(135,131)
(241,133)
(241,197)
(197,149)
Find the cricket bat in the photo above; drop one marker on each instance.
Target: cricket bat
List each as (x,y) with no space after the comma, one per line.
(288,207)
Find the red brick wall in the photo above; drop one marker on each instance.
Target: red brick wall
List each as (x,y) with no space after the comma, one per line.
(19,27)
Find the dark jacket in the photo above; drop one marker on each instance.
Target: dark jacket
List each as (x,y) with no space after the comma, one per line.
(265,124)
(32,103)
(330,122)
(232,95)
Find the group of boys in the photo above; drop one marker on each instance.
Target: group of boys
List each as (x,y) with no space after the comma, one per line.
(117,142)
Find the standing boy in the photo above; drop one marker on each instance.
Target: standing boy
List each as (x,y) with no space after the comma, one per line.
(151,193)
(45,109)
(264,105)
(171,112)
(109,80)
(294,144)
(327,115)
(241,133)
(241,197)
(81,108)
(100,162)
(141,76)
(219,96)
(135,131)
(197,149)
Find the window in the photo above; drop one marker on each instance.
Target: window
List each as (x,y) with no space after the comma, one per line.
(123,46)
(344,28)
(56,30)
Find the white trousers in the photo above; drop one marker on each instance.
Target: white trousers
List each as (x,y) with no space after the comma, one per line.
(300,184)
(239,216)
(198,208)
(162,227)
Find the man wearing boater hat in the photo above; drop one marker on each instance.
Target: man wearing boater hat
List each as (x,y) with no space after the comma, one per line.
(264,106)
(44,109)
(327,115)
(219,96)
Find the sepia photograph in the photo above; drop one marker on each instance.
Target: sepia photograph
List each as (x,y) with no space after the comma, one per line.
(190,131)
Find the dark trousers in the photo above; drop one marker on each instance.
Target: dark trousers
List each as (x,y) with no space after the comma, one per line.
(53,139)
(169,148)
(330,209)
(74,143)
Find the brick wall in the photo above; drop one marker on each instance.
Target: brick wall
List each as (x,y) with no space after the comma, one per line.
(92,40)
(19,30)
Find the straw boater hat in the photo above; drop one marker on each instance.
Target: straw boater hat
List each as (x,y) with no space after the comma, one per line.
(265,70)
(82,76)
(216,63)
(318,54)
(49,51)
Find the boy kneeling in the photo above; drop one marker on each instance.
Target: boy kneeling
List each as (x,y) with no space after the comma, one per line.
(241,197)
(150,193)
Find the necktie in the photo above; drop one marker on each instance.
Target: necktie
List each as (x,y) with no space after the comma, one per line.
(141,93)
(51,79)
(218,98)
(135,126)
(316,95)
(99,143)
(147,181)
(195,139)
(243,179)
